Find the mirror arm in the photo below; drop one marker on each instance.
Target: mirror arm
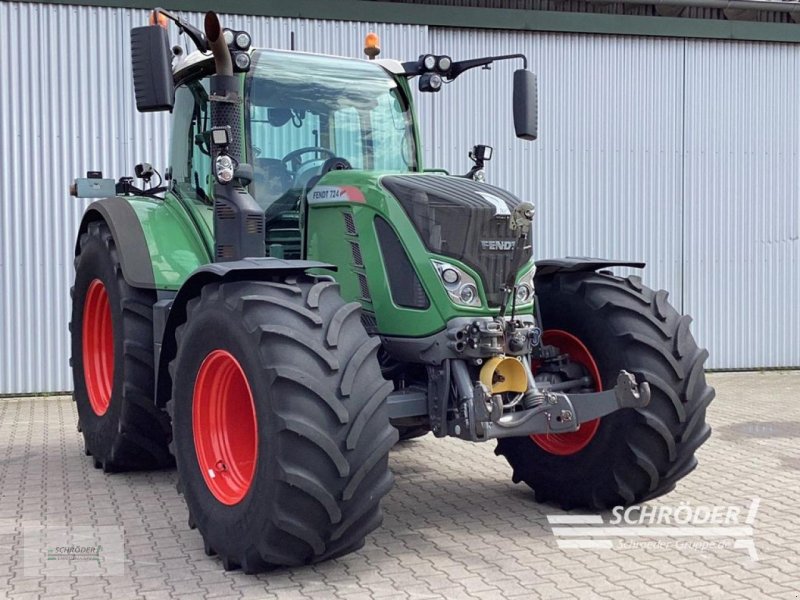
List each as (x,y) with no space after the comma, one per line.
(414,67)
(465,65)
(197,36)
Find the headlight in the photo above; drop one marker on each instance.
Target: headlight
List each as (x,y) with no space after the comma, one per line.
(430,82)
(450,276)
(242,61)
(524,292)
(224,168)
(242,40)
(459,285)
(468,294)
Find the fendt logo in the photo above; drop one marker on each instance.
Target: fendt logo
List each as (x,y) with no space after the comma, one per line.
(503,245)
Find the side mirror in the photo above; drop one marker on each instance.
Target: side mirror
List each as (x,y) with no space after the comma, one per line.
(151,59)
(525,105)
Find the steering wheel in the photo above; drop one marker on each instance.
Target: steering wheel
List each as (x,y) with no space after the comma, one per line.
(293,158)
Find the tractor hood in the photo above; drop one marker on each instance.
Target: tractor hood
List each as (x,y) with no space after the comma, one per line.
(463,219)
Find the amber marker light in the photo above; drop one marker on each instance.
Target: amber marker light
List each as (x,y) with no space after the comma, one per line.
(157,18)
(372,45)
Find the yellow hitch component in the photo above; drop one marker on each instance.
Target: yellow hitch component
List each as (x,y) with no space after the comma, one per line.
(504,374)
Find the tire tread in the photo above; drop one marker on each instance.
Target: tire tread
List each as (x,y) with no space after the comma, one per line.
(348,431)
(143,430)
(658,447)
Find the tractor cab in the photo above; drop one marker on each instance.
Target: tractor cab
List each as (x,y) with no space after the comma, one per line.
(304,116)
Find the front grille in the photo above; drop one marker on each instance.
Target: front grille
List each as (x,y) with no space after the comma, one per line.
(454,215)
(493,264)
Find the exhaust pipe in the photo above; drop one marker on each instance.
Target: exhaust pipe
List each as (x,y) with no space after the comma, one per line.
(224,87)
(216,41)
(238,218)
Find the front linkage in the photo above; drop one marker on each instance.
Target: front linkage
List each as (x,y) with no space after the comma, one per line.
(507,401)
(482,415)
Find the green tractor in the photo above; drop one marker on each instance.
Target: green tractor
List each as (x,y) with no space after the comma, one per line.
(297,292)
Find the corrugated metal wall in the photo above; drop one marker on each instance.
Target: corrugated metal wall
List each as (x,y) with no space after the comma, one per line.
(681,153)
(611,8)
(742,201)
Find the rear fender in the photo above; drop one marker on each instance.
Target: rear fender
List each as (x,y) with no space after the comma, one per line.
(158,244)
(129,239)
(171,313)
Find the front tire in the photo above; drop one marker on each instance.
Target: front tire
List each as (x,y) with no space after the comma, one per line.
(280,421)
(112,361)
(634,454)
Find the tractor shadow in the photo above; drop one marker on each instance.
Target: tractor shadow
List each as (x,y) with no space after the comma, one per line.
(458,487)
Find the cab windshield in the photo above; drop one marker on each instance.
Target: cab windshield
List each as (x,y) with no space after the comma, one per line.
(308,113)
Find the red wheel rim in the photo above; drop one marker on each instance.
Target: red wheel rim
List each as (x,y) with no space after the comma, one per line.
(224,427)
(564,444)
(98,347)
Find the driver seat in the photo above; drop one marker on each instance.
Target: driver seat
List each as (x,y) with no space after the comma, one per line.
(271,180)
(273,192)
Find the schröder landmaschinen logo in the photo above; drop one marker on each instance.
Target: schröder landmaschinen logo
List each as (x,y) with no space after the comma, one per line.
(699,527)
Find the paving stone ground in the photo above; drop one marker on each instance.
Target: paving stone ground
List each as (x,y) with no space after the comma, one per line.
(455,525)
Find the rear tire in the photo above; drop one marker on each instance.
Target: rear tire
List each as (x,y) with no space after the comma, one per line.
(322,434)
(112,361)
(635,454)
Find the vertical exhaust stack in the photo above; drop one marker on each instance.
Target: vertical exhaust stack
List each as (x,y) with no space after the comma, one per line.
(226,102)
(238,219)
(216,42)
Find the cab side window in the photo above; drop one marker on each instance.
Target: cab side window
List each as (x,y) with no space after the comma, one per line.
(276,132)
(391,127)
(279,131)
(348,136)
(189,152)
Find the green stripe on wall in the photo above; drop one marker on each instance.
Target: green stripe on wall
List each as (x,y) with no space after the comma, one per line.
(481,18)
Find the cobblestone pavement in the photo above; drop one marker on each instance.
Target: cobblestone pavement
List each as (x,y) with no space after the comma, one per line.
(455,526)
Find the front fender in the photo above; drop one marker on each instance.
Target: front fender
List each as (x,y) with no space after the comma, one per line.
(171,313)
(575,264)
